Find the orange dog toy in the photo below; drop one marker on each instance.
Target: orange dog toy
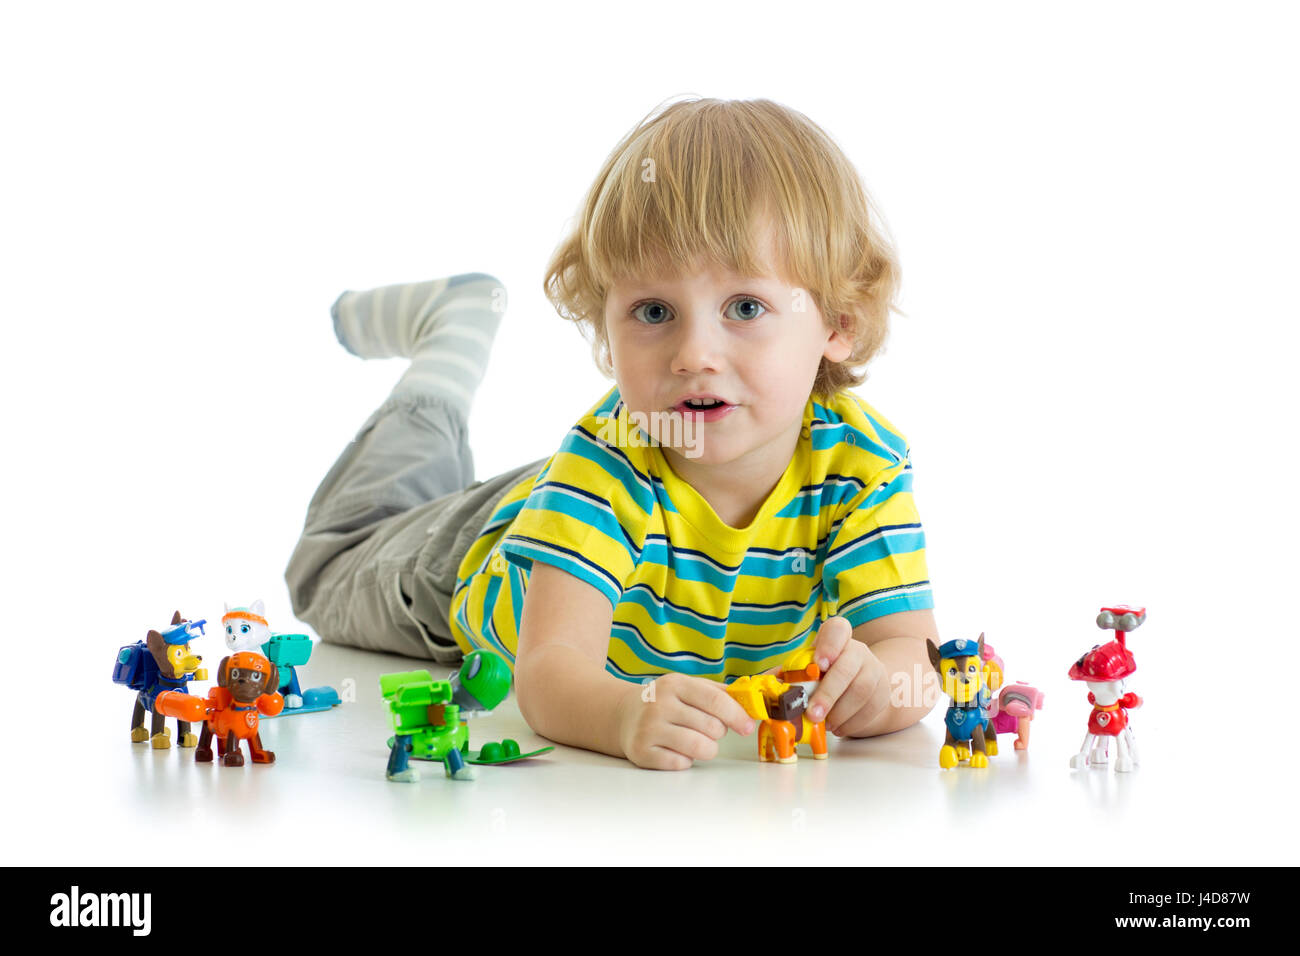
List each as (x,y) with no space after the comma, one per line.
(245,688)
(779,703)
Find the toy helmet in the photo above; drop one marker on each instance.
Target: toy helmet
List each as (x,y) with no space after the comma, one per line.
(799,667)
(254,612)
(959,648)
(1105,662)
(249,661)
(482,682)
(1113,661)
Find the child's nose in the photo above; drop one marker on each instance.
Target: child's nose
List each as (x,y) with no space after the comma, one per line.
(696,347)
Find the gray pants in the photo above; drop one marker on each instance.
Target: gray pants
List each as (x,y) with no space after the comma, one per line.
(387,529)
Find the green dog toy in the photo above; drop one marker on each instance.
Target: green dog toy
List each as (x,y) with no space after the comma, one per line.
(427,717)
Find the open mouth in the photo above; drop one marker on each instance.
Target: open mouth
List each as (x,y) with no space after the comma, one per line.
(703,409)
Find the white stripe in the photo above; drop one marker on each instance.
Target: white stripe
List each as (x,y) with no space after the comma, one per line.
(867,539)
(348,313)
(802,607)
(607,509)
(439,287)
(615,457)
(446,357)
(377,327)
(404,305)
(866,599)
(438,381)
(465,330)
(567,559)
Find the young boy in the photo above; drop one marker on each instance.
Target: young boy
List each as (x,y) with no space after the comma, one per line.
(725,505)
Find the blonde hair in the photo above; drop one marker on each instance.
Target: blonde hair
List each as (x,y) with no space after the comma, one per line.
(686,186)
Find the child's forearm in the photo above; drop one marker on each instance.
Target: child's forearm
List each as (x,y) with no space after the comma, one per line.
(906,667)
(567,698)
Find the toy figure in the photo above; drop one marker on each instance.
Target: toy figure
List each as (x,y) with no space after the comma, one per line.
(780,703)
(1103,669)
(162,662)
(247,630)
(1013,708)
(970,733)
(426,715)
(246,684)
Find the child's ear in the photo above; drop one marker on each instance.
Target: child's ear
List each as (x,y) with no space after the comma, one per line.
(839,343)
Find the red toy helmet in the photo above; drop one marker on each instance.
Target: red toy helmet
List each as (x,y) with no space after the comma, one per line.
(1113,661)
(1105,662)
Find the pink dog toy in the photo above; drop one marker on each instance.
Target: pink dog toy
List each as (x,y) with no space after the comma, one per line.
(1014,707)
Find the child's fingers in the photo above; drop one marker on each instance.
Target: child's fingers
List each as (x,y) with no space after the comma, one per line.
(662,758)
(712,698)
(833,684)
(701,721)
(689,743)
(859,703)
(832,637)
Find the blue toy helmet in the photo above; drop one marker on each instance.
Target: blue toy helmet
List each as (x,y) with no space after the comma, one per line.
(961,647)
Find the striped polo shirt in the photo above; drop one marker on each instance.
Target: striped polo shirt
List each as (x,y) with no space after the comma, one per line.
(690,594)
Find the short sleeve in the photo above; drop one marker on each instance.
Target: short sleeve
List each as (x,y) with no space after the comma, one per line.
(587,513)
(875,557)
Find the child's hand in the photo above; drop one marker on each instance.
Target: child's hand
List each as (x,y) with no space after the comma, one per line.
(676,720)
(854,688)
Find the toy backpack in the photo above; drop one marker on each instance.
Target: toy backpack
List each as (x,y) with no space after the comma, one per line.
(287,651)
(135,666)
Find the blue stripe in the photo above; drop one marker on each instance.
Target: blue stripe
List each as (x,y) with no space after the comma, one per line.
(872,550)
(825,414)
(515,575)
(868,607)
(786,612)
(666,613)
(895,443)
(584,444)
(494,639)
(611,401)
(829,494)
(828,436)
(662,497)
(585,507)
(901,483)
(700,665)
(523,551)
(892,532)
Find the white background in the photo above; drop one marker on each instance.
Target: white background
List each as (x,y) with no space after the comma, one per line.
(1095,207)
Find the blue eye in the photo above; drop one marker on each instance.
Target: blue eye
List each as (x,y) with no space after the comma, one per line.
(656,313)
(230,629)
(661,312)
(243,629)
(749,316)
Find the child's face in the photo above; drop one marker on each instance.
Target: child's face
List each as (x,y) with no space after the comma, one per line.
(756,343)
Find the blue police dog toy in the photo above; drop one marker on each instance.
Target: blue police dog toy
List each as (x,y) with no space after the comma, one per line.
(163,661)
(970,735)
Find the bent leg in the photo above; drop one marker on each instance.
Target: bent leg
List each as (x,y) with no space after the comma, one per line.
(352,575)
(388,586)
